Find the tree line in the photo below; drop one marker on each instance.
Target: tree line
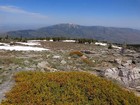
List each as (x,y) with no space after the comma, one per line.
(7,38)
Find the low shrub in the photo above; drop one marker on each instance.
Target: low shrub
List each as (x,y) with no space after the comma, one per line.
(78,53)
(66,88)
(87,61)
(110,46)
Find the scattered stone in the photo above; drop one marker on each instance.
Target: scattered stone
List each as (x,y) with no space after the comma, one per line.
(136,61)
(118,61)
(29,69)
(19,69)
(137,88)
(42,70)
(87,52)
(56,57)
(51,69)
(26,62)
(111,61)
(42,64)
(83,57)
(1,67)
(111,73)
(63,62)
(48,56)
(126,76)
(128,63)
(69,57)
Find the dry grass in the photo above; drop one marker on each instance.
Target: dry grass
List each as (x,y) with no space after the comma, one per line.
(68,46)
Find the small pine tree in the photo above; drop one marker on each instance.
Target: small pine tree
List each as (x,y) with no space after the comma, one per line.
(7,37)
(124,46)
(110,46)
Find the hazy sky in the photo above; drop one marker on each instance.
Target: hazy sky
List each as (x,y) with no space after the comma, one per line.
(118,13)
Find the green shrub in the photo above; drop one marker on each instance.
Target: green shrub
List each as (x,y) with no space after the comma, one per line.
(66,88)
(110,46)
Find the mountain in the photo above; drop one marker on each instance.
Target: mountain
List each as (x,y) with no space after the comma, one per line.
(15,27)
(112,34)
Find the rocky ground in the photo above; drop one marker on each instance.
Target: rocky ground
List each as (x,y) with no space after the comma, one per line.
(99,60)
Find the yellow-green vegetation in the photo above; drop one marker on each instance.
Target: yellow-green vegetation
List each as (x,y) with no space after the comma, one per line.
(80,54)
(87,61)
(10,60)
(66,88)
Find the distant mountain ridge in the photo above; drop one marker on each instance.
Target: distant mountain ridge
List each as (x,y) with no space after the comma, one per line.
(112,34)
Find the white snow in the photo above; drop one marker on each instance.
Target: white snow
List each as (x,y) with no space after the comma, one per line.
(4,44)
(30,43)
(22,48)
(101,44)
(116,47)
(105,44)
(29,47)
(44,40)
(68,41)
(51,40)
(34,40)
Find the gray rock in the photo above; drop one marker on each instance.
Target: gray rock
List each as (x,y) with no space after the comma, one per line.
(123,72)
(130,51)
(42,70)
(118,61)
(137,88)
(42,64)
(83,57)
(29,69)
(19,69)
(127,76)
(111,73)
(88,52)
(1,67)
(63,62)
(136,61)
(135,72)
(127,64)
(51,69)
(26,62)
(33,66)
(69,57)
(56,57)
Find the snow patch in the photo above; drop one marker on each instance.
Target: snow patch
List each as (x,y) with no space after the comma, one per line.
(116,47)
(101,44)
(29,43)
(68,41)
(22,48)
(4,44)
(51,40)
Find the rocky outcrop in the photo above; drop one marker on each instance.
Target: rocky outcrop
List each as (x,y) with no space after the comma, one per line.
(126,73)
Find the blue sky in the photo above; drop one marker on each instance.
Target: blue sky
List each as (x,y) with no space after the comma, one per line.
(116,13)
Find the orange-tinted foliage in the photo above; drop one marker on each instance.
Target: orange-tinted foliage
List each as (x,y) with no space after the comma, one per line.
(78,53)
(66,88)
